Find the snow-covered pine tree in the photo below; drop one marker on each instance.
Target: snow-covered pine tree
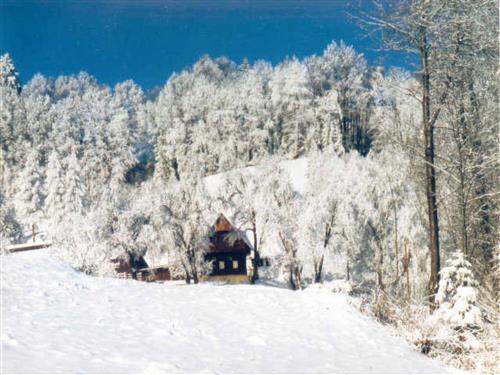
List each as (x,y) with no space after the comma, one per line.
(291,97)
(54,188)
(344,70)
(13,131)
(29,196)
(40,116)
(326,135)
(74,189)
(457,294)
(9,77)
(120,144)
(10,229)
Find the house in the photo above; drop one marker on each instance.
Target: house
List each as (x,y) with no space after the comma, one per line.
(229,252)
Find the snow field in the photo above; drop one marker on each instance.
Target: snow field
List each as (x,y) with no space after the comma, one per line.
(55,320)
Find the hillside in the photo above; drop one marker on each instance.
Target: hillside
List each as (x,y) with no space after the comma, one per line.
(296,169)
(55,320)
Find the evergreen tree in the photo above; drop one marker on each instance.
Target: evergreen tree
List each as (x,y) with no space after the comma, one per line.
(9,77)
(457,294)
(74,190)
(54,188)
(29,195)
(10,229)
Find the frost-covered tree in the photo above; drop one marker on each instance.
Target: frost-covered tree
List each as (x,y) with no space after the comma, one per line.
(469,121)
(317,219)
(13,131)
(38,102)
(244,195)
(54,188)
(74,189)
(29,197)
(411,26)
(291,97)
(341,69)
(9,77)
(325,134)
(129,234)
(456,52)
(77,241)
(10,229)
(456,325)
(284,208)
(184,210)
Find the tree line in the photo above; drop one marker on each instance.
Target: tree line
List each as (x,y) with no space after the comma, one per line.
(402,167)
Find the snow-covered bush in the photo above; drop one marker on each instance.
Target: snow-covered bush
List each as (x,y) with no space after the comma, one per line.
(339,286)
(78,243)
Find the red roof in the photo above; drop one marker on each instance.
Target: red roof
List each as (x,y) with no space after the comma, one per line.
(222,224)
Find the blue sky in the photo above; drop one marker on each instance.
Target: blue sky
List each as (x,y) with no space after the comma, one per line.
(149,40)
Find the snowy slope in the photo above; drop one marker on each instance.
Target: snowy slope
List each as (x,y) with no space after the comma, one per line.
(55,320)
(295,168)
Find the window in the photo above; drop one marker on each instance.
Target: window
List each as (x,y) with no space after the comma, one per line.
(235,264)
(263,262)
(221,264)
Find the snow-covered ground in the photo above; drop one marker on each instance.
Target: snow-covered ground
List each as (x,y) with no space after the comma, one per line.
(55,320)
(296,169)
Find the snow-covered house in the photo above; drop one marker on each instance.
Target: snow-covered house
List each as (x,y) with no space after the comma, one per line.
(229,250)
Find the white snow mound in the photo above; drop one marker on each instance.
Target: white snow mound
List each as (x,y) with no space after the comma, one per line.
(55,320)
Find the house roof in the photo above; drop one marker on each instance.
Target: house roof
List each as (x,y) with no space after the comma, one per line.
(226,238)
(222,224)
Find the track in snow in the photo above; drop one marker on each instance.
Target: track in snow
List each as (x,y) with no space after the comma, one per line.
(55,320)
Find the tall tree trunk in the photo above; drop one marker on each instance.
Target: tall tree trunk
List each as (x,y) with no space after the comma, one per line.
(256,257)
(407,270)
(430,171)
(380,272)
(318,269)
(396,245)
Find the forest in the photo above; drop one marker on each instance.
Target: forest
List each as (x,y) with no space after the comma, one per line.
(400,199)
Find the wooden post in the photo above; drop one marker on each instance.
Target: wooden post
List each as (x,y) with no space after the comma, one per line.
(33,233)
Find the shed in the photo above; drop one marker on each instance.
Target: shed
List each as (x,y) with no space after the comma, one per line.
(133,266)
